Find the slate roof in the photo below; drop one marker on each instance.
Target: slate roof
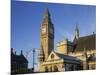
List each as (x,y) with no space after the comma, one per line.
(18,58)
(67,58)
(91,58)
(87,42)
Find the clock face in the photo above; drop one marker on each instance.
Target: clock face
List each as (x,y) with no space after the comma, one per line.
(51,30)
(43,30)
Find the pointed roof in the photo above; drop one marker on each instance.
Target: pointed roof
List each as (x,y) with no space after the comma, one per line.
(47,18)
(18,58)
(47,14)
(87,42)
(77,27)
(76,35)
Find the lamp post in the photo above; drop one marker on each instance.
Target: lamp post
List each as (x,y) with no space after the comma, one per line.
(33,50)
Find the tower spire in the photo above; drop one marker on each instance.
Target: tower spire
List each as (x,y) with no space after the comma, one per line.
(47,14)
(76,32)
(46,35)
(47,17)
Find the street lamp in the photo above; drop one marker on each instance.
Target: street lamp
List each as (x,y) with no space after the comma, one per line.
(33,53)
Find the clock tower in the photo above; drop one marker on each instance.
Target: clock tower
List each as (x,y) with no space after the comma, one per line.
(46,37)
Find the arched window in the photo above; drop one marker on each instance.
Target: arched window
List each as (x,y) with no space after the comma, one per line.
(55,68)
(72,67)
(46,69)
(52,56)
(50,68)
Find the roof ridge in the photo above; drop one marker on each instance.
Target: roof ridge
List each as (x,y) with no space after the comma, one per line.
(87,35)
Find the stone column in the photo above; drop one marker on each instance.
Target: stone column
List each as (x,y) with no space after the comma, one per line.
(52,68)
(85,65)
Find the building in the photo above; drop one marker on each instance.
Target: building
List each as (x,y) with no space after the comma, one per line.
(57,62)
(84,48)
(46,37)
(19,64)
(64,46)
(79,54)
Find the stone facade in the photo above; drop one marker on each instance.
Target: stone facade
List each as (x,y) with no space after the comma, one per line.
(57,62)
(76,55)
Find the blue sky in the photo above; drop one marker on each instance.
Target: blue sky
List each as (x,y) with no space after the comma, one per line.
(26,18)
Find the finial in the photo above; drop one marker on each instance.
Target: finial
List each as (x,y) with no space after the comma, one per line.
(77,26)
(46,8)
(11,50)
(47,12)
(21,52)
(76,31)
(93,33)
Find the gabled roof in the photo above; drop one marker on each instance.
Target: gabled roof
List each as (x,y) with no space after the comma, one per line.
(87,42)
(18,58)
(47,18)
(55,56)
(65,58)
